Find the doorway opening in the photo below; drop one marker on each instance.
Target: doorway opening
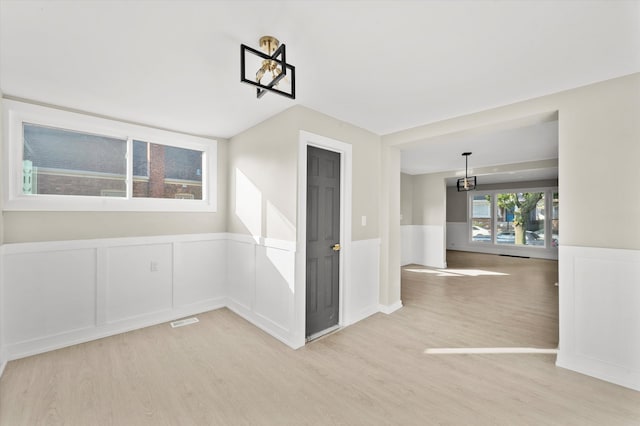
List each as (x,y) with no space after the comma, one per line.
(513,211)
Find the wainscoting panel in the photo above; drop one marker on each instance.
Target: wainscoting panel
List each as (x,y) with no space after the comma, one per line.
(458,239)
(139,281)
(363,291)
(600,313)
(241,272)
(57,294)
(423,244)
(47,293)
(261,284)
(275,286)
(200,273)
(406,245)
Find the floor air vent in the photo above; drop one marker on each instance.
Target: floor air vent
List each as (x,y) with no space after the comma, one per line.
(182,322)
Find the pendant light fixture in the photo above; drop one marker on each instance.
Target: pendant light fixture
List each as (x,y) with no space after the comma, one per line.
(273,68)
(467,183)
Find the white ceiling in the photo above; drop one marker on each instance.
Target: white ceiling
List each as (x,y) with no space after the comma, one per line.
(382,65)
(521,144)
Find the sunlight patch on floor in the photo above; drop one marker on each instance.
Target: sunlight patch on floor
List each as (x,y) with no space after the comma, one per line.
(455,272)
(457,351)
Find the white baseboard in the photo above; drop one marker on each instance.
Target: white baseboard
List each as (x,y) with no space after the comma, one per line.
(359,316)
(264,324)
(389,309)
(599,369)
(62,340)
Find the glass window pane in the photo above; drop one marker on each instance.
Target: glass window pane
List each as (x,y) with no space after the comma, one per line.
(166,171)
(64,162)
(140,159)
(481,218)
(520,218)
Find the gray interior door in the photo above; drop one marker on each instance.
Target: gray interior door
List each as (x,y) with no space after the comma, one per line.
(323,239)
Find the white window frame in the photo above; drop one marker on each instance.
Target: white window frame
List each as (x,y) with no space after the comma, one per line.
(16,113)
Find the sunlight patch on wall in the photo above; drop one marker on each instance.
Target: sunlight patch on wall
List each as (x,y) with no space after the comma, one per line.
(248,206)
(283,262)
(278,226)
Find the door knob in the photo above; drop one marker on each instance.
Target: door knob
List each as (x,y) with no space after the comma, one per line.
(335,247)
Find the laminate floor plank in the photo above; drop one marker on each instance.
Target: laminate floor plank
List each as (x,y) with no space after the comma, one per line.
(225,371)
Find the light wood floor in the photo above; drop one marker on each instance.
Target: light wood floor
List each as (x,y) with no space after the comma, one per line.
(224,371)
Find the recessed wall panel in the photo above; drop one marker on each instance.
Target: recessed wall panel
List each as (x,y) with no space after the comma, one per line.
(139,280)
(47,293)
(201,272)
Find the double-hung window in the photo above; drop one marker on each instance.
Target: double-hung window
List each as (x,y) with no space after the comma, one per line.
(59,160)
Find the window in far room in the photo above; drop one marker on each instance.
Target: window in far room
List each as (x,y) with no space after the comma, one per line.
(481,226)
(520,218)
(515,218)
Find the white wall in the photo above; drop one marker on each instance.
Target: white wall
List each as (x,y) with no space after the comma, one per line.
(57,294)
(423,245)
(424,241)
(267,168)
(61,293)
(96,285)
(458,239)
(261,285)
(599,313)
(406,199)
(362,296)
(390,248)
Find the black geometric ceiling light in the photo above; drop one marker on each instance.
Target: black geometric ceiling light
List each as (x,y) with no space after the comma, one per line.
(267,68)
(466,183)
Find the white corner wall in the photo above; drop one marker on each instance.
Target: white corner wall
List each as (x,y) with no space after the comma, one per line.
(261,285)
(423,245)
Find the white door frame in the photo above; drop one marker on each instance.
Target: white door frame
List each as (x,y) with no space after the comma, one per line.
(346,183)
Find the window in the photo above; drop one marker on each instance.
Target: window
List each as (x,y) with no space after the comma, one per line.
(166,172)
(63,162)
(555,220)
(519,218)
(481,218)
(58,160)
